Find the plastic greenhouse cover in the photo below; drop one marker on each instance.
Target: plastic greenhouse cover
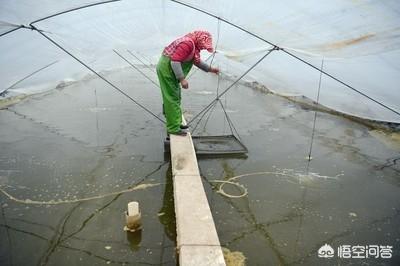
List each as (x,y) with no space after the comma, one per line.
(358,42)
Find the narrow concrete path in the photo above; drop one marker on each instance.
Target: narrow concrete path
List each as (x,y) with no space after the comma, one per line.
(197,238)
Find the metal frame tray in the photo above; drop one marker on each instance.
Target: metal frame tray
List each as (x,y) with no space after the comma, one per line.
(218,145)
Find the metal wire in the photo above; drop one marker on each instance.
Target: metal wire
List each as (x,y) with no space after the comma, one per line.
(234,83)
(197,69)
(32,27)
(148,66)
(228,22)
(208,117)
(289,53)
(315,113)
(7,32)
(73,9)
(137,69)
(203,112)
(212,59)
(210,108)
(24,78)
(216,43)
(230,123)
(99,75)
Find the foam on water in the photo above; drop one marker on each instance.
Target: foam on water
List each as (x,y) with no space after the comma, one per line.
(203,92)
(234,258)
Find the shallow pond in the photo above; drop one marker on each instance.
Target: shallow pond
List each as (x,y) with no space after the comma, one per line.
(72,158)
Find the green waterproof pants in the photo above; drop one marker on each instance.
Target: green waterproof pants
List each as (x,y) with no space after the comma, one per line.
(171,92)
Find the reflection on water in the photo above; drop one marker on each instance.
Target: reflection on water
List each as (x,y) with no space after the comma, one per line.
(166,214)
(134,239)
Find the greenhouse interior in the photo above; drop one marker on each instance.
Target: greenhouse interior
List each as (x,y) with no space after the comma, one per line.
(297,136)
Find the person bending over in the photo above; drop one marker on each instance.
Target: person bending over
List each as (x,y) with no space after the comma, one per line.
(175,63)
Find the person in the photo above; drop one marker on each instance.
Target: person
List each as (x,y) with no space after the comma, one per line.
(175,63)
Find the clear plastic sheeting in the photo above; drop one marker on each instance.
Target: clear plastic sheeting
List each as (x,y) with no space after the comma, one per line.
(337,29)
(358,41)
(80,136)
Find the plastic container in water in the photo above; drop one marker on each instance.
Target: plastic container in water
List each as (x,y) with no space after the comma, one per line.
(133,217)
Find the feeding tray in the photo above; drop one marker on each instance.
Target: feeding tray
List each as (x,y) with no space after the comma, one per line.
(218,145)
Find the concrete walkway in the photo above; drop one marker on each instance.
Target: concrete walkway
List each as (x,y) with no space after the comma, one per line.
(197,239)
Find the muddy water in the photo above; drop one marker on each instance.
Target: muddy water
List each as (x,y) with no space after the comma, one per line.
(348,194)
(87,141)
(80,142)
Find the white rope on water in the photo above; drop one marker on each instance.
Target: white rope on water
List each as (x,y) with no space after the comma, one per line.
(237,184)
(220,190)
(57,202)
(283,172)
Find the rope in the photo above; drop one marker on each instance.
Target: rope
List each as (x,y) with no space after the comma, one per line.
(204,111)
(289,53)
(208,117)
(316,111)
(218,81)
(148,66)
(222,191)
(226,104)
(228,22)
(137,69)
(230,123)
(197,69)
(234,83)
(9,31)
(345,84)
(217,99)
(212,106)
(58,202)
(73,9)
(22,27)
(32,27)
(282,172)
(97,74)
(28,76)
(55,15)
(216,43)
(212,59)
(136,186)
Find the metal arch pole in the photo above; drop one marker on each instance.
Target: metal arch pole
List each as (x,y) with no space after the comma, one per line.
(289,53)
